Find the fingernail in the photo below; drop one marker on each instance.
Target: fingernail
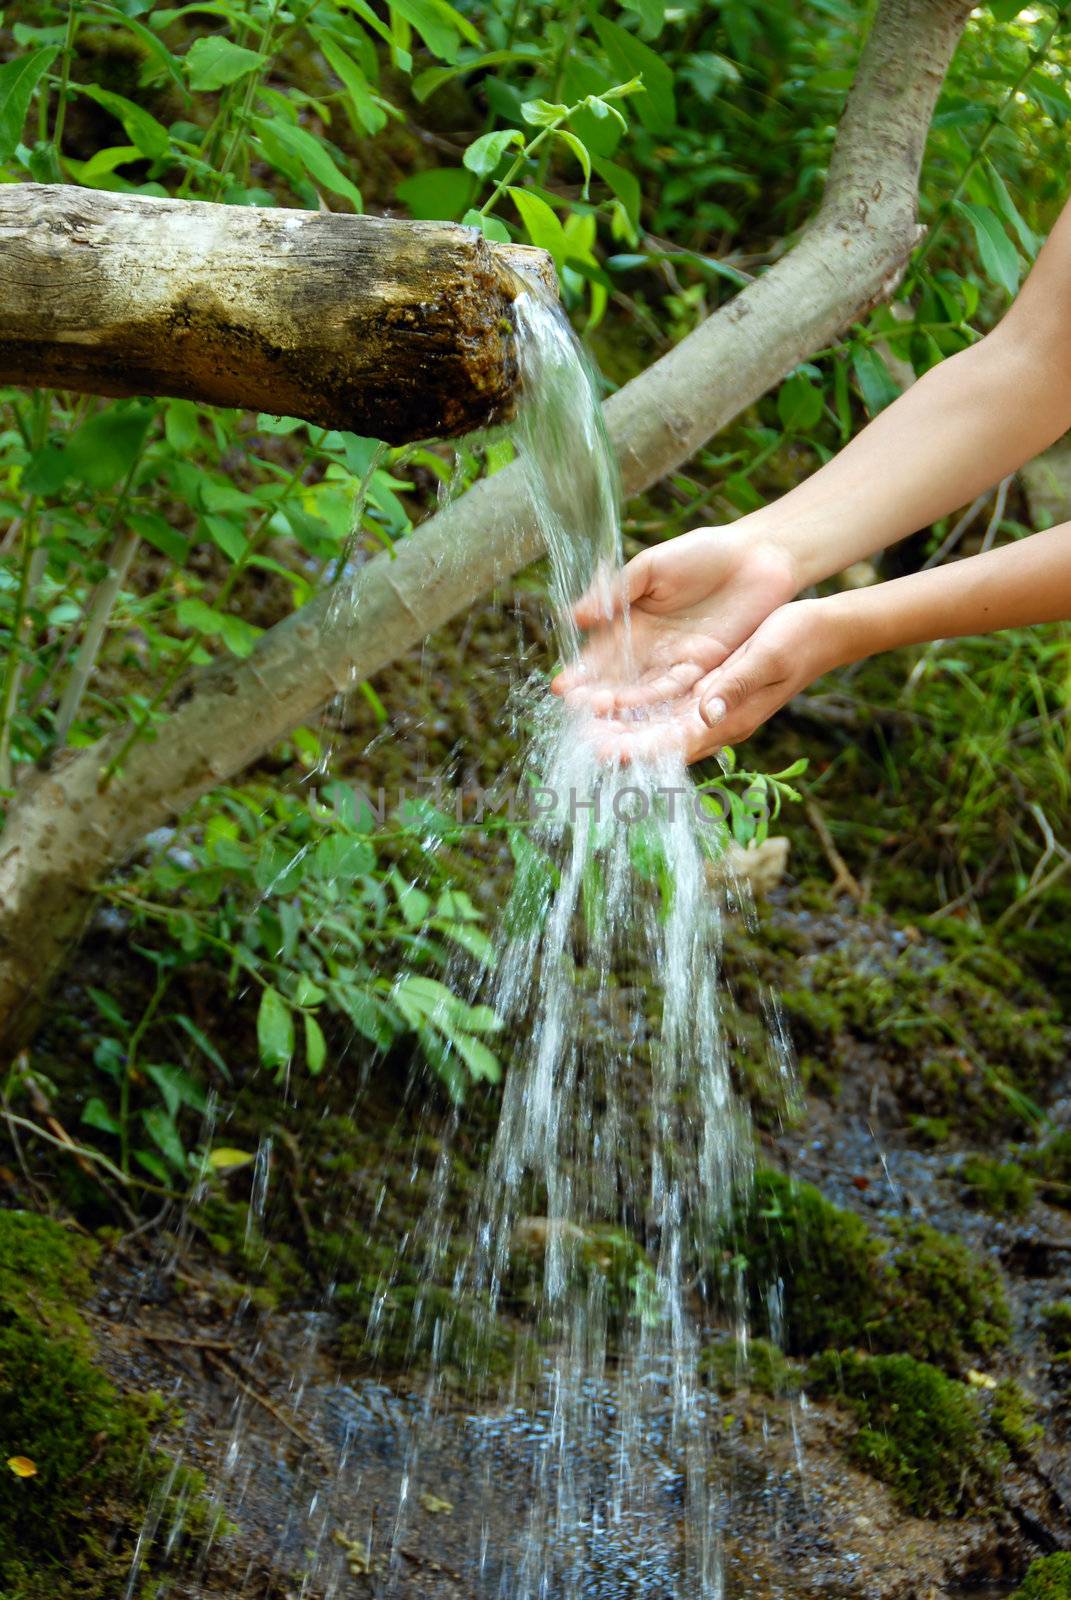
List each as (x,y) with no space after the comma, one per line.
(714,710)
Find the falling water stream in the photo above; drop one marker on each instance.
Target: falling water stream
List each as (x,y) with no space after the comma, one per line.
(619,1148)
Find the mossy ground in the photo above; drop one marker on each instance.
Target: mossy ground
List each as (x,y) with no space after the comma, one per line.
(1048,1579)
(912,1290)
(68,1519)
(919,1431)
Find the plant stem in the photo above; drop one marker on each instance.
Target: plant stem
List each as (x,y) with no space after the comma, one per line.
(73,18)
(523,156)
(252,85)
(162,982)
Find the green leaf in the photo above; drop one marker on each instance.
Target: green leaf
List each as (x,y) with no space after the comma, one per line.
(1011,214)
(103,450)
(471,939)
(414,904)
(97,1115)
(799,404)
(226,536)
(876,383)
(213,62)
(369,113)
(441,194)
(490,227)
(630,57)
(18,80)
(541,223)
(203,1043)
(150,136)
(169,63)
(481,1062)
(197,616)
(484,154)
(164,1134)
(999,257)
(541,113)
(177,1088)
(275,1030)
(152,1165)
(651,14)
(109,1010)
(315,1045)
(182,426)
(439,25)
(312,156)
(426,83)
(580,151)
(239,636)
(623,183)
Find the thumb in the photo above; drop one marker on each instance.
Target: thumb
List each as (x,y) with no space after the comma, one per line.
(601,600)
(727,687)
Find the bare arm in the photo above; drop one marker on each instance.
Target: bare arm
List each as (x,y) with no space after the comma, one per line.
(963,426)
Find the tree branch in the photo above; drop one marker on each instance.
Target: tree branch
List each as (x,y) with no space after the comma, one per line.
(66,831)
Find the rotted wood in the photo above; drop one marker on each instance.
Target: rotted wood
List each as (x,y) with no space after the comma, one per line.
(397,330)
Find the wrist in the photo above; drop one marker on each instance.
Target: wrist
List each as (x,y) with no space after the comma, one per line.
(840,631)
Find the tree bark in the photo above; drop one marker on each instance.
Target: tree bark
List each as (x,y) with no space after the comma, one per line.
(66,832)
(398,330)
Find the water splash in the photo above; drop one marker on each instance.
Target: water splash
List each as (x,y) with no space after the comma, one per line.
(620,1142)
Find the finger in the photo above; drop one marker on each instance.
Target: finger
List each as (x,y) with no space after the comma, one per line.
(696,656)
(603,600)
(747,673)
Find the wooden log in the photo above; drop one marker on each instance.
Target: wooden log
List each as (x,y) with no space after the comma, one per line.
(397,330)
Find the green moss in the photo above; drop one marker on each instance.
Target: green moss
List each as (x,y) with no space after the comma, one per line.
(1049,1578)
(68,1528)
(941,1302)
(272,1266)
(921,1292)
(931,1130)
(728,1365)
(826,1260)
(1056,1320)
(1012,1417)
(1002,1188)
(1052,1163)
(919,1431)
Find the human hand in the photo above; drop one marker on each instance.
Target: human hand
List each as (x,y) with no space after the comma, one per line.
(788,650)
(675,612)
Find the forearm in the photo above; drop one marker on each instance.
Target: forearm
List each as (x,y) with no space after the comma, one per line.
(962,427)
(1014,587)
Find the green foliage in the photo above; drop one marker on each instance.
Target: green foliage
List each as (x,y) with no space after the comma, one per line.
(601,133)
(1002,1188)
(1049,1578)
(918,1431)
(922,1293)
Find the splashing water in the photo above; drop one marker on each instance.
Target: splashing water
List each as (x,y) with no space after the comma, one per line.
(620,1141)
(586,1459)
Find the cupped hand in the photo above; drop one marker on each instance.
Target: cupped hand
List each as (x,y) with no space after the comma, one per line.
(674,613)
(787,651)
